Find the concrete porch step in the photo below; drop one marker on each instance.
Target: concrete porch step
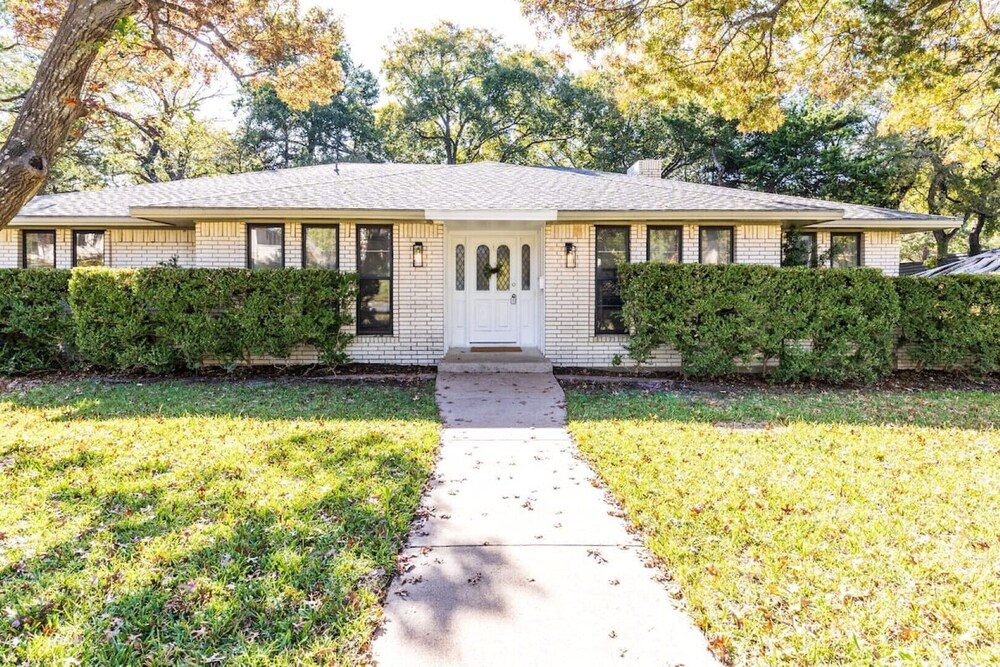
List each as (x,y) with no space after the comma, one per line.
(464,360)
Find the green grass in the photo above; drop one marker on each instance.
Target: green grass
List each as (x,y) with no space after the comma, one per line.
(816,528)
(178,523)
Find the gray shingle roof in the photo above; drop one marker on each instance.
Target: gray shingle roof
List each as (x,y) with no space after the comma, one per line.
(480,186)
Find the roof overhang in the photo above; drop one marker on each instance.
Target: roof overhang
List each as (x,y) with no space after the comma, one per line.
(166,214)
(808,215)
(896,225)
(492,215)
(90,222)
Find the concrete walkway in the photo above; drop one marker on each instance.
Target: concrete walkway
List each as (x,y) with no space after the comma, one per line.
(519,559)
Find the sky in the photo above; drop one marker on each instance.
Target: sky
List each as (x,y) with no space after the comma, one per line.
(369,26)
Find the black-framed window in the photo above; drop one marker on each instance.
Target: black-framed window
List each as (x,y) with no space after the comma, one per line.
(716,245)
(374,249)
(664,244)
(321,247)
(38,249)
(611,249)
(804,252)
(265,246)
(88,248)
(845,249)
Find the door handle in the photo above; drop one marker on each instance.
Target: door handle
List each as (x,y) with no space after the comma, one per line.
(513,299)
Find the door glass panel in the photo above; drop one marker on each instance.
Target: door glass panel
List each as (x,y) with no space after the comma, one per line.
(503,268)
(483,269)
(526,267)
(460,267)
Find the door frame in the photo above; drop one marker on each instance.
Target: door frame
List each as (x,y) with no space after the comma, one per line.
(532,316)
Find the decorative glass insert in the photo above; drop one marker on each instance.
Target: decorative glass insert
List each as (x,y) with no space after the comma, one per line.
(663,244)
(39,250)
(460,267)
(320,247)
(715,245)
(503,268)
(525,267)
(483,270)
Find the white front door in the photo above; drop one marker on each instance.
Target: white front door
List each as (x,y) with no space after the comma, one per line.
(493,292)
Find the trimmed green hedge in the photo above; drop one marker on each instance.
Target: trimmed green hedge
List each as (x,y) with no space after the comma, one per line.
(164,318)
(951,322)
(833,325)
(36,330)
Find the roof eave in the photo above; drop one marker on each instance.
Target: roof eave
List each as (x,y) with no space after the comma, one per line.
(91,221)
(707,215)
(201,213)
(896,224)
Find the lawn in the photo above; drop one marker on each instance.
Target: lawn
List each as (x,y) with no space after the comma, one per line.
(815,528)
(185,523)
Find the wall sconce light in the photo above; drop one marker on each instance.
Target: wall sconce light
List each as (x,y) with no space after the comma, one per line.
(570,256)
(418,254)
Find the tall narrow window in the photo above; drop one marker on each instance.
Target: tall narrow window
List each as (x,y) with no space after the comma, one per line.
(845,249)
(483,270)
(663,244)
(503,268)
(715,245)
(525,267)
(39,250)
(88,248)
(374,279)
(321,247)
(612,249)
(460,267)
(265,246)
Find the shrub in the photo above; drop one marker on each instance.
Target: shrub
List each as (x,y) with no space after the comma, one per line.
(951,322)
(834,325)
(36,330)
(163,318)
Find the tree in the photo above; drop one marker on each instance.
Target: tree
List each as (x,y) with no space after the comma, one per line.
(461,95)
(91,44)
(341,129)
(938,60)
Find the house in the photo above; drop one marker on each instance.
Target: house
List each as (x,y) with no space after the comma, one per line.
(452,256)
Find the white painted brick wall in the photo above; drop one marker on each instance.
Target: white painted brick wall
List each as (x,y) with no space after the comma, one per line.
(881,250)
(141,248)
(10,248)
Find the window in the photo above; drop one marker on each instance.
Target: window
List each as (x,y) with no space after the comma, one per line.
(321,247)
(715,245)
(265,246)
(460,267)
(525,267)
(374,279)
(39,250)
(88,248)
(612,249)
(845,250)
(663,244)
(799,249)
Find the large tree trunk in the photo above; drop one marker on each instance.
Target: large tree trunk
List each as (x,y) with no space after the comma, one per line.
(975,236)
(942,240)
(53,103)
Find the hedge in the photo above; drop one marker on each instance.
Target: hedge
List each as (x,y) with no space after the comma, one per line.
(835,325)
(164,318)
(36,330)
(951,322)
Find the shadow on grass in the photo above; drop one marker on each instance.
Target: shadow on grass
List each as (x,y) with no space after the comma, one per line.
(168,568)
(952,408)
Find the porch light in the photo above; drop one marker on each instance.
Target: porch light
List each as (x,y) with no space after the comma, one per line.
(418,254)
(570,256)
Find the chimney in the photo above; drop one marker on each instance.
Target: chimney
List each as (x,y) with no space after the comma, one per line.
(647,169)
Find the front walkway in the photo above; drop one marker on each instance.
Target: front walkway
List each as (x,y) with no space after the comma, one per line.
(519,559)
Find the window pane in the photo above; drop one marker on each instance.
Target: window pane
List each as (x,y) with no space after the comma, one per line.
(503,268)
(88,248)
(716,245)
(40,250)
(845,250)
(802,252)
(460,267)
(374,306)
(664,245)
(526,267)
(483,269)
(375,252)
(612,249)
(609,308)
(267,247)
(320,248)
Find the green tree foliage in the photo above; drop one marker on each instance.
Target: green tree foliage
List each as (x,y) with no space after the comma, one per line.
(460,95)
(343,129)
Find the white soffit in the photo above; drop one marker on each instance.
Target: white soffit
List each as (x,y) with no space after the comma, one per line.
(491,215)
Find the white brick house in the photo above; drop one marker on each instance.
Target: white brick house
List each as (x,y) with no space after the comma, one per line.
(453,256)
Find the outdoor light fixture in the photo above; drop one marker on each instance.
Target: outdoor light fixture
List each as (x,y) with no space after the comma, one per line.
(418,254)
(570,256)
